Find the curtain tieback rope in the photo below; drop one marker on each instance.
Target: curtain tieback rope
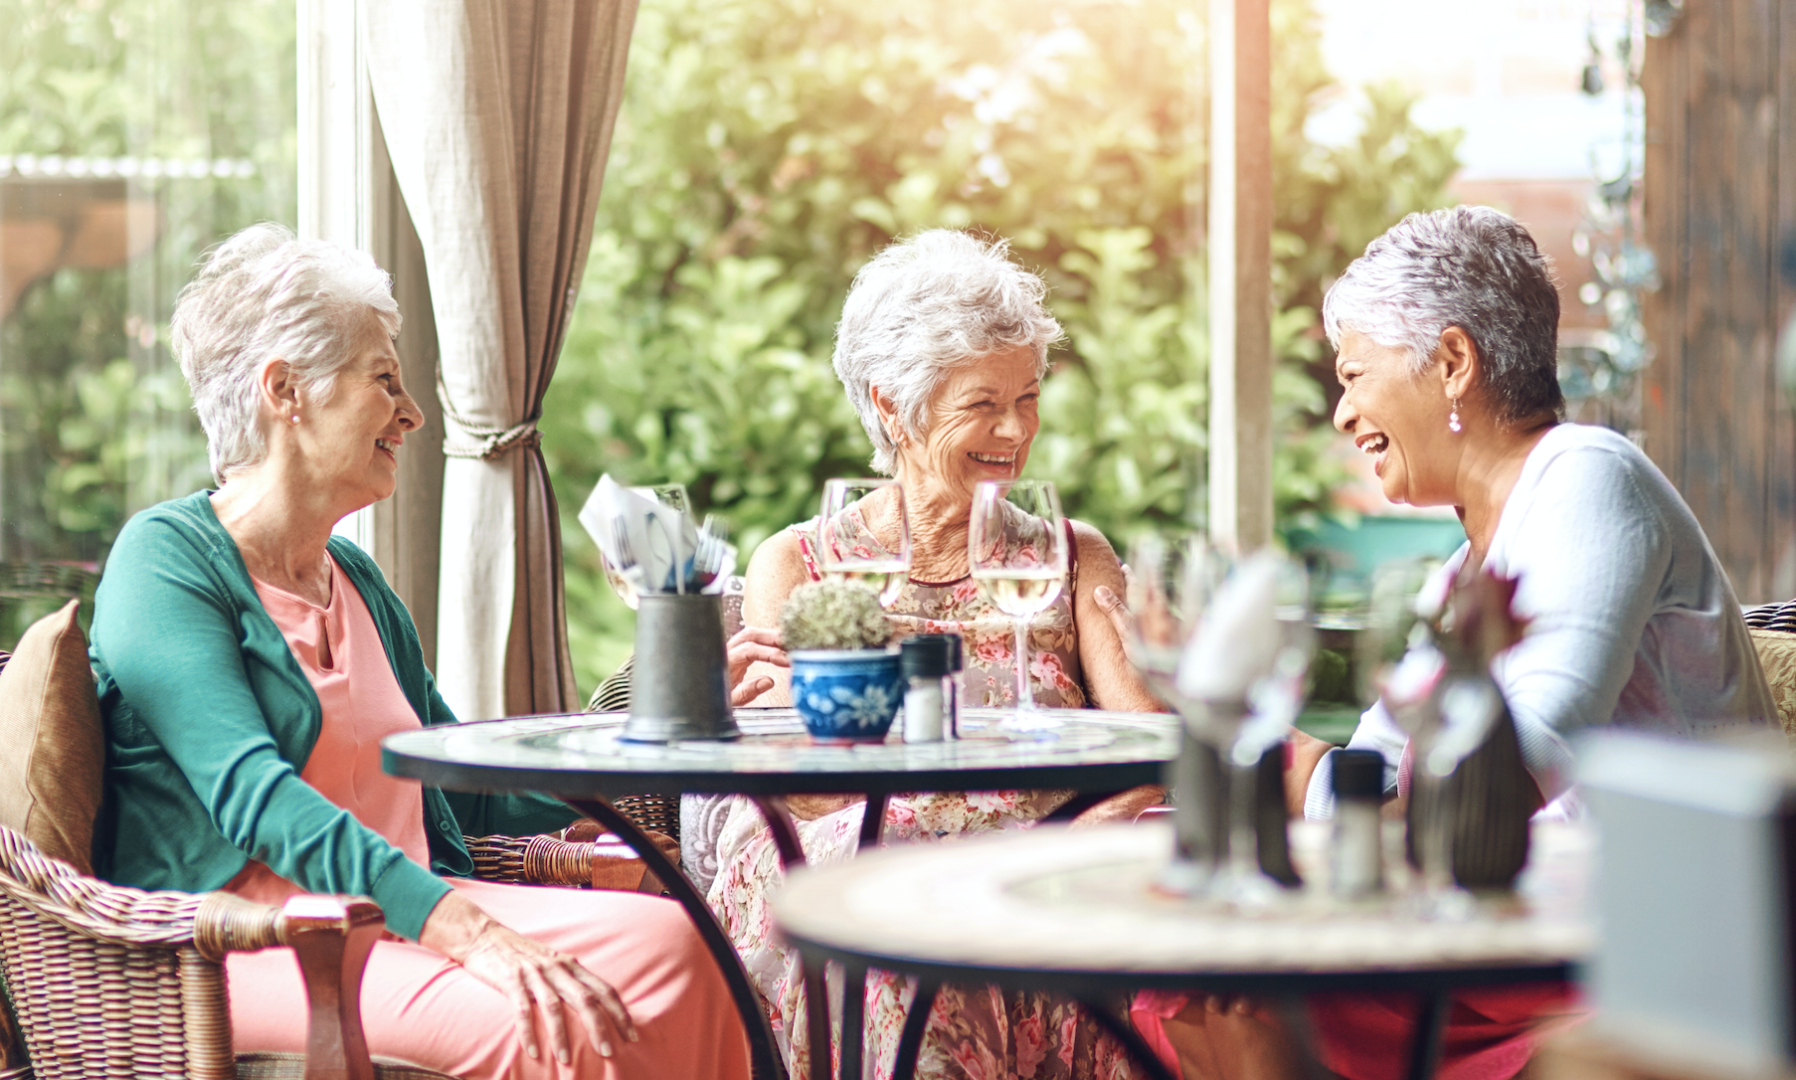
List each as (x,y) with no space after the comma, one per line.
(484,443)
(462,438)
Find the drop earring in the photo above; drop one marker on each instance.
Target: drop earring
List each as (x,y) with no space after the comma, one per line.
(1453,423)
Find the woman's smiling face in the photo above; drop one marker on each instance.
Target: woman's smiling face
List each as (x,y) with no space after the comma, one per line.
(1399,418)
(981,421)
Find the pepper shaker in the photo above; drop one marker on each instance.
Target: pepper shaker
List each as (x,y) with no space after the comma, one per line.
(923,658)
(1357,852)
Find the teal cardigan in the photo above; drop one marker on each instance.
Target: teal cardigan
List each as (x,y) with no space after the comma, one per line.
(209,721)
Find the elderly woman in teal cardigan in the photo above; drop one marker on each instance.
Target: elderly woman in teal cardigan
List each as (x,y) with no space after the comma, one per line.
(249,663)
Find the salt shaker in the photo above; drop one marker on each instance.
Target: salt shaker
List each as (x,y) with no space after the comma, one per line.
(923,658)
(1358,860)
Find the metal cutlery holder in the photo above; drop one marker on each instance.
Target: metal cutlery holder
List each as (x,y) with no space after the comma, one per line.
(679,688)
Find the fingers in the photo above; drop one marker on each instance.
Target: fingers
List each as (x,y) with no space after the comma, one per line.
(549,1002)
(748,691)
(1112,605)
(758,635)
(523,1012)
(532,977)
(743,655)
(599,1007)
(603,1002)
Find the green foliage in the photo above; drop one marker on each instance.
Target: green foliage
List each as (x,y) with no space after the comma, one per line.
(765,150)
(833,615)
(95,423)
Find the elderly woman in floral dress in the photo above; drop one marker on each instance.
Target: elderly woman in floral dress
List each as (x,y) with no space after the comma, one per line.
(942,348)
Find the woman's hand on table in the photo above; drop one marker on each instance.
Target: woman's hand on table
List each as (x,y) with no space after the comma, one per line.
(531,976)
(751,645)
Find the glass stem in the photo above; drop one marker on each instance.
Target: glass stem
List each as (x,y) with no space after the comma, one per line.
(1023,701)
(1244,847)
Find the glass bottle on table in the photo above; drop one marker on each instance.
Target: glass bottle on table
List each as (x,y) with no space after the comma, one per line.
(1017,552)
(863,535)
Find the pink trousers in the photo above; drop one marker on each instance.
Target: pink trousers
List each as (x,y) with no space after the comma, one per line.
(422,1008)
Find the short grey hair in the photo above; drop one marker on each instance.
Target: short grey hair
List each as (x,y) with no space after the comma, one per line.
(925,306)
(1470,267)
(264,294)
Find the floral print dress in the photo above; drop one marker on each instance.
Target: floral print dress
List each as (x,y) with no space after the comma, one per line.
(975,1032)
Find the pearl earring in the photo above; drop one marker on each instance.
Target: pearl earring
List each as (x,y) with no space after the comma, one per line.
(1453,423)
(296,420)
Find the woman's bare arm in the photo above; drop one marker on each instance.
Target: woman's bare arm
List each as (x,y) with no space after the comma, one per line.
(775,570)
(1111,679)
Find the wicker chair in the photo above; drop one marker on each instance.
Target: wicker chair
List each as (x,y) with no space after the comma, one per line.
(106,981)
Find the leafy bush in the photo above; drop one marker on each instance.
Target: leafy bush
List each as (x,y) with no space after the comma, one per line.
(766,150)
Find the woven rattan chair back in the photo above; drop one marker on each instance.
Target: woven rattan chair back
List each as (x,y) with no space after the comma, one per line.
(126,994)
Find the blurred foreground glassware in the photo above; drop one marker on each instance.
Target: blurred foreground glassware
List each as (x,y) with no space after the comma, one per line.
(1171,580)
(1246,729)
(1402,666)
(1017,551)
(856,511)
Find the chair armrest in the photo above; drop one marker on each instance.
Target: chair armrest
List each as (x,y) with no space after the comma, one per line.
(332,936)
(604,862)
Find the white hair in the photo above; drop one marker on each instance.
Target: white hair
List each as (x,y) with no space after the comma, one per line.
(924,306)
(1470,267)
(261,295)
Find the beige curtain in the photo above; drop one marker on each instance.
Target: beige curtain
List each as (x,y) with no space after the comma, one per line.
(498,117)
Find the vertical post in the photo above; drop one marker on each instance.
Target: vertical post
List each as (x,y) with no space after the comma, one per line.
(1240,247)
(347,193)
(335,153)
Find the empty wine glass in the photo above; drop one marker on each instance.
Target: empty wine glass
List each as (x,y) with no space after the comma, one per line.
(1171,579)
(1404,670)
(863,535)
(672,496)
(1017,551)
(1245,729)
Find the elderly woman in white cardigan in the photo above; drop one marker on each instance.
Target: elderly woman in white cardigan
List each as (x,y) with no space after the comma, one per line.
(1446,332)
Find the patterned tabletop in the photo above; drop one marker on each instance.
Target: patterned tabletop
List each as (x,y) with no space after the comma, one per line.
(1077,907)
(578,755)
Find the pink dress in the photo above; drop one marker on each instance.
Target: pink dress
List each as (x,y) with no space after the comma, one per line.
(419,1006)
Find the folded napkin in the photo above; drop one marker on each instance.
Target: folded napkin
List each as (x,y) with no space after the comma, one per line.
(661,539)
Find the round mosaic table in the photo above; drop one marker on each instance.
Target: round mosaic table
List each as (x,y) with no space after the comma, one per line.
(579,759)
(1076,912)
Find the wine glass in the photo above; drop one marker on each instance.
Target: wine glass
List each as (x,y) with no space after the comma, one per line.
(672,496)
(1247,665)
(1171,580)
(849,548)
(1017,551)
(1403,669)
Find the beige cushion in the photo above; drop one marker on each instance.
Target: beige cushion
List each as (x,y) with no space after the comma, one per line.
(1777,656)
(52,754)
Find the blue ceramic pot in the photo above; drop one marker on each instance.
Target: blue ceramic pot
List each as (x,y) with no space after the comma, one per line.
(847,695)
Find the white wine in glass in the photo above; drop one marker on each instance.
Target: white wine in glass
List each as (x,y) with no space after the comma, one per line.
(863,536)
(1017,551)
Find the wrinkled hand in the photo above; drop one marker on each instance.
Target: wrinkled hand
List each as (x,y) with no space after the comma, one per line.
(753,644)
(1112,605)
(531,976)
